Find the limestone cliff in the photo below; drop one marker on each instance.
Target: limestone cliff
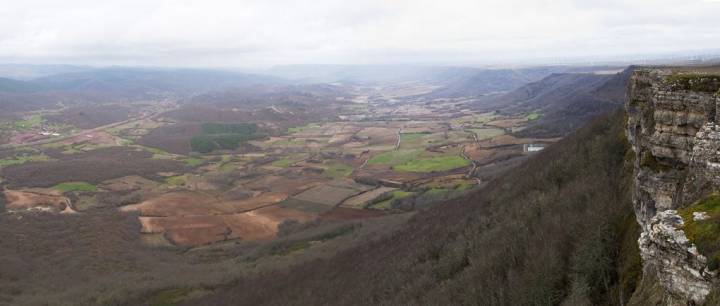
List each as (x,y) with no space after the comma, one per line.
(672,116)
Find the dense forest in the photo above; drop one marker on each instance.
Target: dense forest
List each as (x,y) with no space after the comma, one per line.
(558,229)
(219,136)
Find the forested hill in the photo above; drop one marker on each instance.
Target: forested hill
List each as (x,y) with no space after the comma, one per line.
(558,229)
(566,101)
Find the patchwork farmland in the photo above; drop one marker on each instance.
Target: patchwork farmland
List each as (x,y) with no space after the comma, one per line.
(193,180)
(250,184)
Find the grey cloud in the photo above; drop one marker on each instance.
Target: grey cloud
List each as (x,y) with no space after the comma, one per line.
(261,33)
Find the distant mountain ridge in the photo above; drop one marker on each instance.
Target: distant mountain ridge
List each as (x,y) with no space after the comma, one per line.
(489,81)
(27,72)
(148,80)
(370,74)
(16,86)
(119,84)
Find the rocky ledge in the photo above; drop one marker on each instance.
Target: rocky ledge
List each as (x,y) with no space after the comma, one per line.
(680,268)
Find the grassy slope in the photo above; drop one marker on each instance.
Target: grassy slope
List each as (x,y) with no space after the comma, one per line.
(557,228)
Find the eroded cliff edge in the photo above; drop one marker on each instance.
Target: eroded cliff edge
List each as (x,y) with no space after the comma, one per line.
(673,129)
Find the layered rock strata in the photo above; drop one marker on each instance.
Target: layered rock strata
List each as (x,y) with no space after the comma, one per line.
(672,116)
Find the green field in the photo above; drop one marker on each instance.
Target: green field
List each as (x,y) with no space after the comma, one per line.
(413,139)
(533,116)
(156,151)
(175,180)
(226,164)
(483,134)
(299,129)
(75,186)
(396,195)
(22,159)
(228,167)
(283,163)
(338,170)
(486,117)
(449,137)
(392,158)
(439,163)
(194,162)
(475,119)
(33,121)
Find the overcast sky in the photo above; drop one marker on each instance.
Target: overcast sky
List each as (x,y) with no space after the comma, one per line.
(249,33)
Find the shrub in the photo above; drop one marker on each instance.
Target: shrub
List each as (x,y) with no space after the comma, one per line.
(705,234)
(649,161)
(194,162)
(202,144)
(695,82)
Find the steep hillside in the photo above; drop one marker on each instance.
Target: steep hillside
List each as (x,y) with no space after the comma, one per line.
(489,81)
(492,80)
(557,229)
(564,101)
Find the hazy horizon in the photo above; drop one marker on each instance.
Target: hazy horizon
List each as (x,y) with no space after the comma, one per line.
(259,34)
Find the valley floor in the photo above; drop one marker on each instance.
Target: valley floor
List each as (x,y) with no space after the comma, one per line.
(221,186)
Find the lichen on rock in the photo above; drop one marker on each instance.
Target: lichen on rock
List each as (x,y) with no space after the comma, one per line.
(682,270)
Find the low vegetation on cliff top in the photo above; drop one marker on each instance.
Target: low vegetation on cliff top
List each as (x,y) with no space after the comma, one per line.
(704,232)
(695,82)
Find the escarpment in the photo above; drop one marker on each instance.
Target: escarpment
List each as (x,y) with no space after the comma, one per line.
(673,128)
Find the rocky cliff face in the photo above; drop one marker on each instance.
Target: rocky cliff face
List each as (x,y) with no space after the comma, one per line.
(672,116)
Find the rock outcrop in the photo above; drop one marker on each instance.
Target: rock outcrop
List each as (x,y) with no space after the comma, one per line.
(679,267)
(672,116)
